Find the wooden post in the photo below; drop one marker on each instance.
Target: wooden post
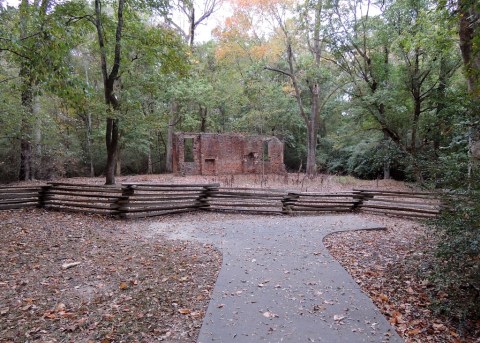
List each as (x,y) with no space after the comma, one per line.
(123,201)
(206,195)
(288,202)
(43,194)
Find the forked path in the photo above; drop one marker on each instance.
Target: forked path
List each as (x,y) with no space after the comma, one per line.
(278,283)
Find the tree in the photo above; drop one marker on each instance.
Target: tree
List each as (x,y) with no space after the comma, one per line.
(36,41)
(196,12)
(306,75)
(469,34)
(110,82)
(398,63)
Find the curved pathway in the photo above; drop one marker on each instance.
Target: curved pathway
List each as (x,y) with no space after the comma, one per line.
(278,283)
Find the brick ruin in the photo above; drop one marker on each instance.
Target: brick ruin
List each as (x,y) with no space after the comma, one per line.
(217,154)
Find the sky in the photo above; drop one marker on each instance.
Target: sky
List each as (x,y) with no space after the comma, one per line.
(204,31)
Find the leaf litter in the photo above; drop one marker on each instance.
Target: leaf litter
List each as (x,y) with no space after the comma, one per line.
(78,278)
(392,267)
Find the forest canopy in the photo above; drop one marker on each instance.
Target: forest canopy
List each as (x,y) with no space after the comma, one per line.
(367,88)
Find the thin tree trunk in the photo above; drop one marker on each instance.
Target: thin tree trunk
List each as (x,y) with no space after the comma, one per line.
(386,158)
(311,150)
(192,27)
(118,166)
(37,134)
(88,120)
(112,144)
(170,132)
(26,170)
(149,161)
(203,112)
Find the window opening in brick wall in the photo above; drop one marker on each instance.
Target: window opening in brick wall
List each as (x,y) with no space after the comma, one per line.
(265,151)
(188,150)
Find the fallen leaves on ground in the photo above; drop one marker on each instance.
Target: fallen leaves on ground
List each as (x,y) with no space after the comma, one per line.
(77,278)
(392,267)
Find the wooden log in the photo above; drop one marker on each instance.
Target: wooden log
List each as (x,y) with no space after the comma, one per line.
(326,195)
(75,199)
(414,210)
(238,210)
(18,206)
(81,210)
(157,201)
(19,201)
(83,185)
(148,186)
(270,190)
(244,195)
(165,195)
(8,190)
(333,201)
(155,208)
(399,193)
(18,195)
(155,204)
(320,209)
(400,214)
(57,203)
(151,214)
(242,205)
(81,195)
(433,202)
(88,190)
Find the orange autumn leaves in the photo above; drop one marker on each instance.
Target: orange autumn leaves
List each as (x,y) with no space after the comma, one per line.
(242,34)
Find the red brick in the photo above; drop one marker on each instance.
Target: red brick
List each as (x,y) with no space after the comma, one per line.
(217,154)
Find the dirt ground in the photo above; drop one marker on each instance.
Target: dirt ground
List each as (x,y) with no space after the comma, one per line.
(80,278)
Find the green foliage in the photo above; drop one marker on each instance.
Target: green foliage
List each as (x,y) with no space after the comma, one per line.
(458,271)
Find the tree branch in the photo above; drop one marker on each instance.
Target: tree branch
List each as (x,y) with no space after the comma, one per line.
(278,71)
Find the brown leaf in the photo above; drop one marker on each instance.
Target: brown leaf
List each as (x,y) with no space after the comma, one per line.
(413,332)
(123,286)
(185,311)
(70,265)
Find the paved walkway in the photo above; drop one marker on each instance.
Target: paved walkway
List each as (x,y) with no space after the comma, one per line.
(278,283)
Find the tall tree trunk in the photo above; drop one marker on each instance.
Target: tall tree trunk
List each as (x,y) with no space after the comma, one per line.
(315,96)
(37,142)
(88,124)
(311,168)
(203,112)
(149,160)
(469,31)
(118,166)
(112,150)
(386,158)
(26,170)
(192,27)
(172,121)
(109,79)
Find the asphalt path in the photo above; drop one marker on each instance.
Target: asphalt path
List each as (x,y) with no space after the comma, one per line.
(278,283)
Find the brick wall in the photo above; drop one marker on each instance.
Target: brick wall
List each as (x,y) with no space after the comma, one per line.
(216,154)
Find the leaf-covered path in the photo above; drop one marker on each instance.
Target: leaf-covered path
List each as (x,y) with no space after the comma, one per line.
(278,283)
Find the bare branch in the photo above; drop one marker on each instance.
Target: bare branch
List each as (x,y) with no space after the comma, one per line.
(278,71)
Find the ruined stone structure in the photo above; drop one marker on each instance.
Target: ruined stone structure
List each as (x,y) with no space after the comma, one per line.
(217,154)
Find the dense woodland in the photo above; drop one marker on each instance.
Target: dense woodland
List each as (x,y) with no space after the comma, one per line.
(373,89)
